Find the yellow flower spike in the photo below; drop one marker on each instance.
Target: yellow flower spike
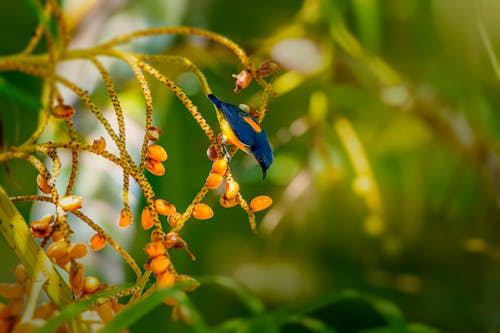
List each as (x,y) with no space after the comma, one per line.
(214,180)
(232,189)
(97,242)
(126,217)
(164,207)
(146,218)
(202,211)
(156,152)
(260,202)
(155,167)
(71,202)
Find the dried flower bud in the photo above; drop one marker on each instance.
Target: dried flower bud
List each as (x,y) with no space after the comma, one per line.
(243,79)
(63,111)
(71,202)
(260,202)
(157,152)
(267,68)
(97,242)
(155,167)
(153,133)
(43,184)
(228,203)
(211,153)
(146,218)
(40,229)
(98,145)
(202,211)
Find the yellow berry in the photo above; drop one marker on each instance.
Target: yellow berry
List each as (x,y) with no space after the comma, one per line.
(174,219)
(146,218)
(232,189)
(202,211)
(20,273)
(57,249)
(97,242)
(71,202)
(78,250)
(90,284)
(76,278)
(159,264)
(43,184)
(157,152)
(155,167)
(126,217)
(219,166)
(214,180)
(260,202)
(164,207)
(57,235)
(154,249)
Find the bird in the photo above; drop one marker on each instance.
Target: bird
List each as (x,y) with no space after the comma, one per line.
(244,131)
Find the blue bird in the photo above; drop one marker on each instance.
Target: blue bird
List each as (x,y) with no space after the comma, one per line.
(244,131)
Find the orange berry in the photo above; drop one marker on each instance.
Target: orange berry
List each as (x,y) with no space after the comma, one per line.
(154,249)
(165,280)
(71,202)
(57,249)
(105,311)
(155,167)
(63,261)
(43,184)
(232,189)
(220,166)
(153,133)
(57,235)
(98,145)
(228,203)
(63,111)
(126,217)
(76,278)
(157,152)
(97,242)
(164,207)
(214,180)
(90,284)
(20,273)
(159,264)
(78,250)
(243,79)
(146,218)
(211,153)
(202,211)
(174,219)
(260,202)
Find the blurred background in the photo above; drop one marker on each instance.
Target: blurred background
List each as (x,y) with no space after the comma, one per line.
(386,136)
